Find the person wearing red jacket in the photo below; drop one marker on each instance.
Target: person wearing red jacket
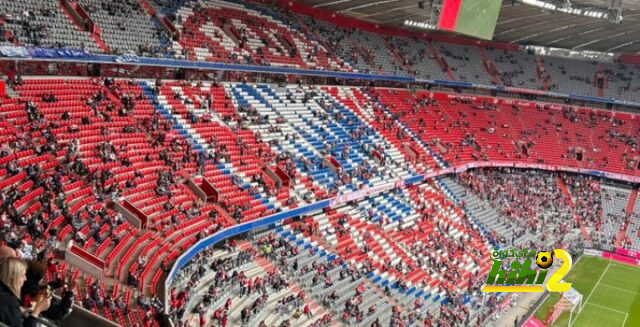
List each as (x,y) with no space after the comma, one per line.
(307,311)
(227,304)
(203,320)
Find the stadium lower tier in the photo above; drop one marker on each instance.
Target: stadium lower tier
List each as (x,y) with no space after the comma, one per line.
(388,260)
(113,171)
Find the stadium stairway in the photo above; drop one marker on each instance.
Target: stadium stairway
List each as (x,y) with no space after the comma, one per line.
(441,61)
(487,217)
(614,200)
(490,67)
(564,188)
(543,74)
(71,10)
(633,198)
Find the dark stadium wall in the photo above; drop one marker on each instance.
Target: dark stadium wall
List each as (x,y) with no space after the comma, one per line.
(345,21)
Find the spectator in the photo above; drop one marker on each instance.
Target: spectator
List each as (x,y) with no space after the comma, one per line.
(12,277)
(6,251)
(36,282)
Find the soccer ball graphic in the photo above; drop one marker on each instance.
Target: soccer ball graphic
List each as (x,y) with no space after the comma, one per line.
(544,259)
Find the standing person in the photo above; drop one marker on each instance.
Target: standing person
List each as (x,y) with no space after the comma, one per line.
(225,320)
(307,311)
(202,162)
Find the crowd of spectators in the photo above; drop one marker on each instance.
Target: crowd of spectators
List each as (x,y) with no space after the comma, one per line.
(344,47)
(32,30)
(520,203)
(532,200)
(228,283)
(26,294)
(228,274)
(315,273)
(516,75)
(32,232)
(535,203)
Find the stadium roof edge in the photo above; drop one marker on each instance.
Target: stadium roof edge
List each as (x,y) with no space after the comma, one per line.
(518,24)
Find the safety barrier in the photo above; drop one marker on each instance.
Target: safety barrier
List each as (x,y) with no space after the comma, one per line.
(279,176)
(86,261)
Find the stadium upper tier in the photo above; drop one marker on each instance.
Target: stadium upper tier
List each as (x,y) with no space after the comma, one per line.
(73,150)
(469,128)
(250,33)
